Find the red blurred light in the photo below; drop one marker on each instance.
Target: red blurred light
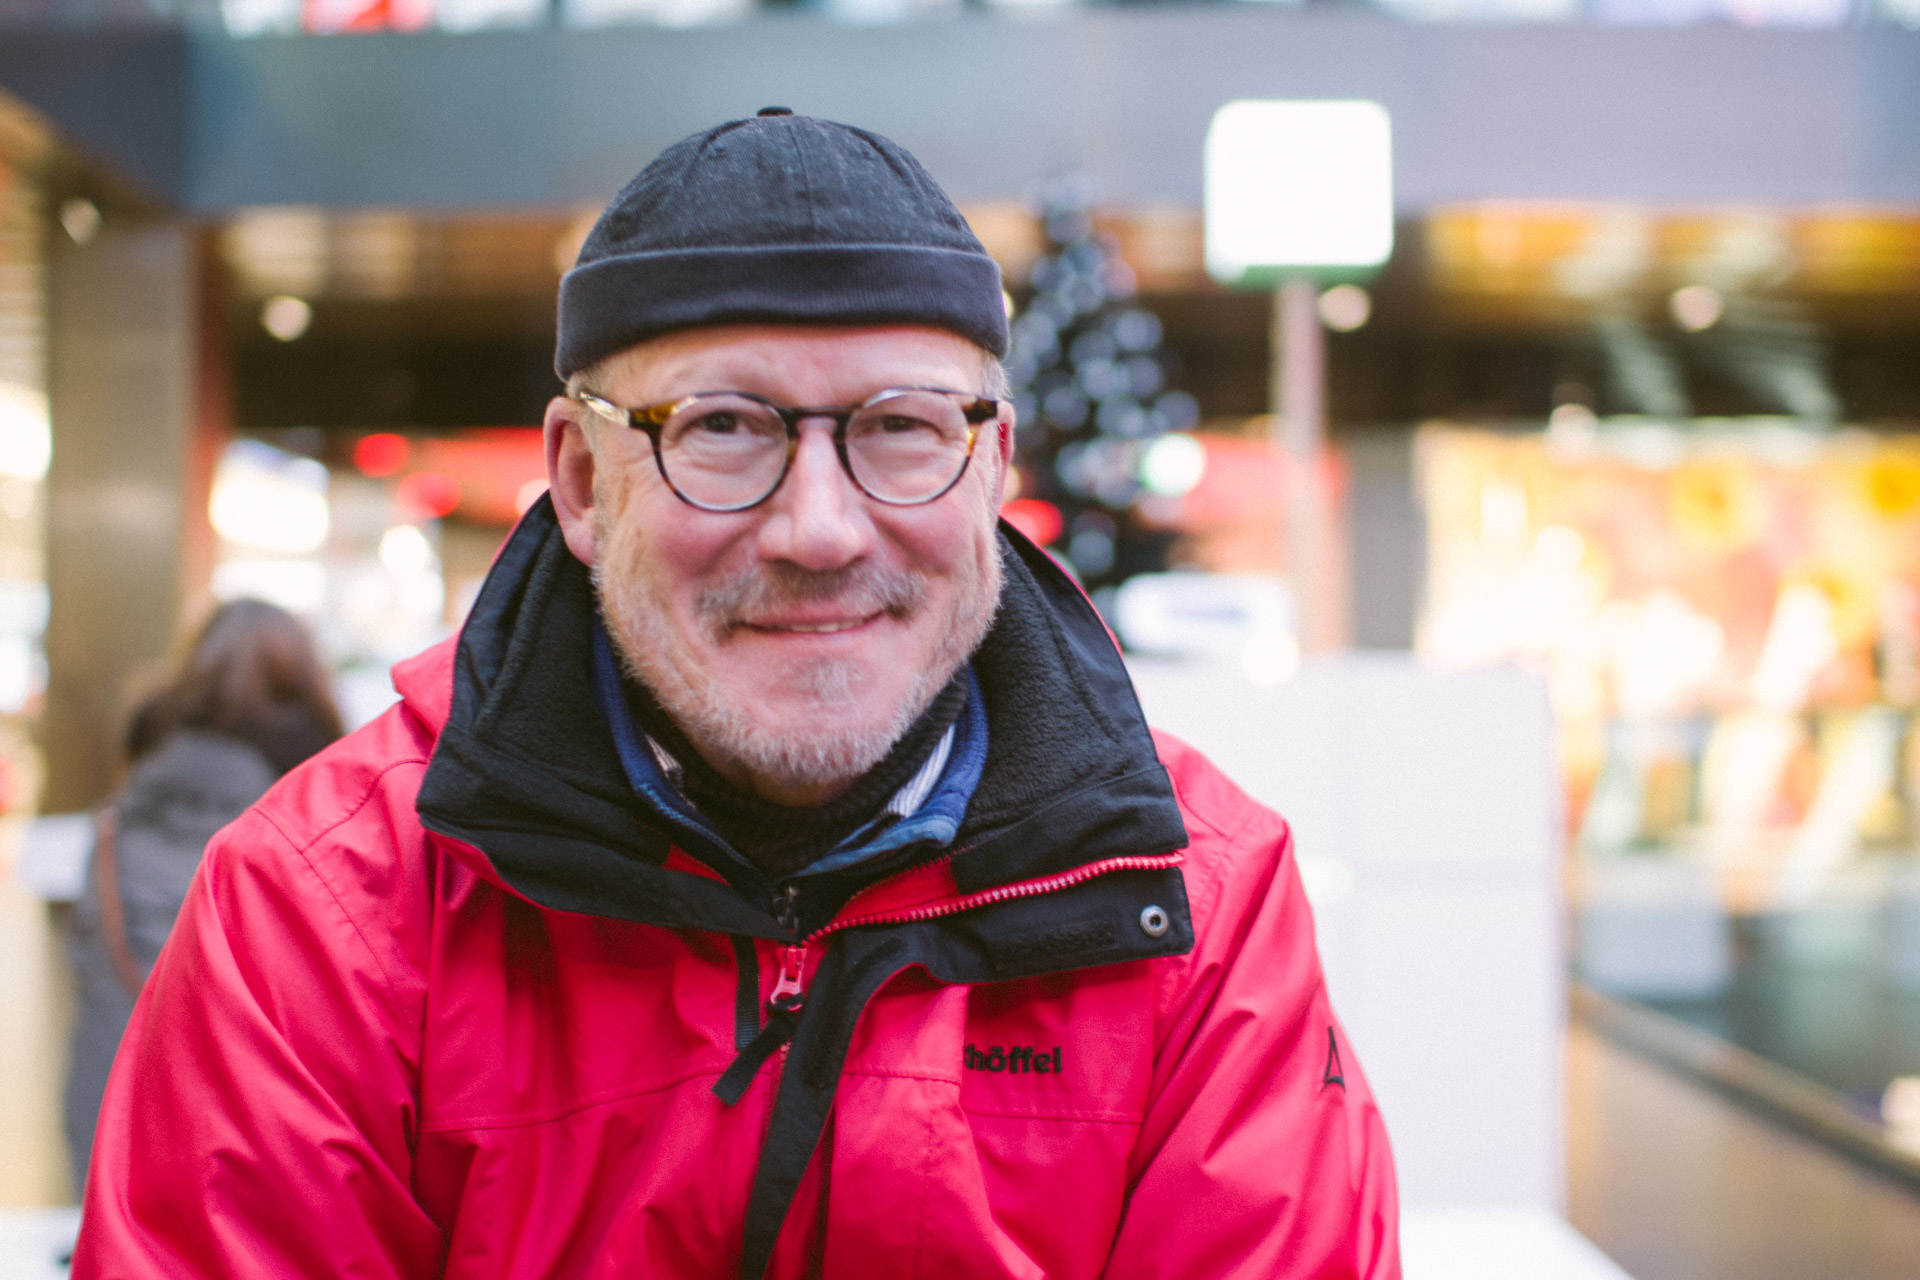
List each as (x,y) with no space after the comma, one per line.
(11,784)
(428,494)
(380,454)
(493,465)
(1038,519)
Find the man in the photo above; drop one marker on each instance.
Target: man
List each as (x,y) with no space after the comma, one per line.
(776,877)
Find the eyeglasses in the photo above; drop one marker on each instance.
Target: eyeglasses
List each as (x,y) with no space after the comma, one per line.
(730,450)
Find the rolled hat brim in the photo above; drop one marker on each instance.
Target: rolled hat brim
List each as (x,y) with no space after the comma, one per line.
(615,302)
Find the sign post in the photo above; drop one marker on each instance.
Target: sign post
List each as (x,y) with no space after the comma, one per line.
(1300,195)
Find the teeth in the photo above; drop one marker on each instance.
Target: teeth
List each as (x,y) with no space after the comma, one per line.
(824,627)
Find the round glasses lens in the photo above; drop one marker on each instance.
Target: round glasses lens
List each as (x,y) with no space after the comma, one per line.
(909,447)
(723,451)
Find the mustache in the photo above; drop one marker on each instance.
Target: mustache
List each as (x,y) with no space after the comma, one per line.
(859,588)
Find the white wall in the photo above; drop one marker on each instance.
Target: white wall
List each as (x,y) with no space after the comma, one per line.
(1425,810)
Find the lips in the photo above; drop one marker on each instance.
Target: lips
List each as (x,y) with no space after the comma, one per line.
(813,628)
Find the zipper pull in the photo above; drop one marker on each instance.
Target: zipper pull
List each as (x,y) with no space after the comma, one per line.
(790,992)
(786,909)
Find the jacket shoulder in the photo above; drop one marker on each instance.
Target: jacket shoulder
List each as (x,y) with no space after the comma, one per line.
(1239,864)
(381,760)
(1224,815)
(344,824)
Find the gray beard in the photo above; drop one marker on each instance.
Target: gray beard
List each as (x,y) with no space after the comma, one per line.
(726,732)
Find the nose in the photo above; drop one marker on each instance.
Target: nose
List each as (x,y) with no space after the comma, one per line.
(817,519)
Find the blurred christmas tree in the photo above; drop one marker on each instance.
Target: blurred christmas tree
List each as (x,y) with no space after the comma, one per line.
(1095,412)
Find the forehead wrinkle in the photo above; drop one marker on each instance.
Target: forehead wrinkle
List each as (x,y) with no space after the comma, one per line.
(793,366)
(728,368)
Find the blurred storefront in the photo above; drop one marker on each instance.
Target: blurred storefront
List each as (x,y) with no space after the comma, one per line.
(1727,615)
(1727,607)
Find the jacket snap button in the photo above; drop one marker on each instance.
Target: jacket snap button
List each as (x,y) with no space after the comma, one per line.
(1154,922)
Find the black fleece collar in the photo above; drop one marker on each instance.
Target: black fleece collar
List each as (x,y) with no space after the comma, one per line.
(526,769)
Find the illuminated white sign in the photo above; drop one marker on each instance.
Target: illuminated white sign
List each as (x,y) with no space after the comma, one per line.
(1297,186)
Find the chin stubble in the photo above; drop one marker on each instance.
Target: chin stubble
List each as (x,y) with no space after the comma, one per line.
(830,751)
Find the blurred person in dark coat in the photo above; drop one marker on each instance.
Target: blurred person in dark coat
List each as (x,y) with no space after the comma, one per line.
(250,701)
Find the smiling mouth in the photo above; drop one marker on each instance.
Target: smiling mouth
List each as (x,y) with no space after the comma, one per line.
(811,628)
(781,599)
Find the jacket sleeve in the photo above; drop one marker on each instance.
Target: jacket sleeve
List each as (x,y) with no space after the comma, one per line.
(260,1113)
(1262,1152)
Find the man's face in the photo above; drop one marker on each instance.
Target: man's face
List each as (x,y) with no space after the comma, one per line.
(796,641)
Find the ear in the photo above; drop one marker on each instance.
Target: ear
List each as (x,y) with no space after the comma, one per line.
(1002,442)
(570,474)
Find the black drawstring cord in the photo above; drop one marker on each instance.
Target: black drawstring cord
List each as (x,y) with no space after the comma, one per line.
(733,1082)
(746,993)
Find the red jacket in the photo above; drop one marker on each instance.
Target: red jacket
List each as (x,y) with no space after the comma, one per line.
(374,1048)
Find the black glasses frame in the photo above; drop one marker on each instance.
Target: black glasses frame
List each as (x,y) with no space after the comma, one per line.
(651,418)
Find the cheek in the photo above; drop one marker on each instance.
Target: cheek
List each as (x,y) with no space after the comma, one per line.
(946,539)
(664,555)
(612,498)
(961,562)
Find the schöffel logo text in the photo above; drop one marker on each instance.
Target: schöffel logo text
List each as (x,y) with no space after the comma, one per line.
(1015,1059)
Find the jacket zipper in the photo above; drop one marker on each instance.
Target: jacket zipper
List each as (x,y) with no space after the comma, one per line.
(1003,893)
(789,995)
(790,992)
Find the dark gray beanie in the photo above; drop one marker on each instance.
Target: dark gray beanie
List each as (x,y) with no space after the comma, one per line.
(780,219)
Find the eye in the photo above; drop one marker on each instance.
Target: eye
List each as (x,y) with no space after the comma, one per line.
(718,422)
(901,423)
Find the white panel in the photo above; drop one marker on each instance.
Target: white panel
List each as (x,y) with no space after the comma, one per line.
(1453,1001)
(1498,1245)
(33,1242)
(1452,768)
(1424,808)
(55,851)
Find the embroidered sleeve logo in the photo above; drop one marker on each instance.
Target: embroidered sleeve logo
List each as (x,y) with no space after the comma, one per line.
(1335,1072)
